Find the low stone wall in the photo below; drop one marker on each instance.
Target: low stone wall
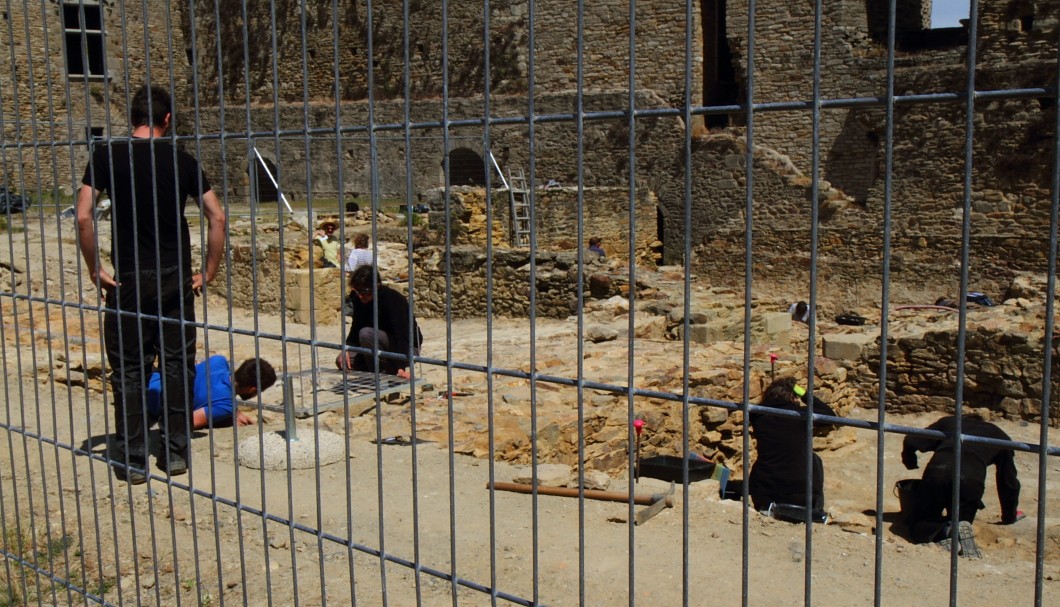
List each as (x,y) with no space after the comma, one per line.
(256,284)
(253,280)
(314,298)
(604,212)
(250,278)
(555,284)
(1003,373)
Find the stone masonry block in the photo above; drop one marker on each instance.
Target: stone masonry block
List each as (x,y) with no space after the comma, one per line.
(775,322)
(297,298)
(846,346)
(699,334)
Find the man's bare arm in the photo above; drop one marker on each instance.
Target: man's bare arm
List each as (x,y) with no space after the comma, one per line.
(199,420)
(86,236)
(215,240)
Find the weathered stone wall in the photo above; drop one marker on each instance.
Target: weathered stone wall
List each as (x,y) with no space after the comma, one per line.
(315,164)
(37,107)
(1010,164)
(604,214)
(251,281)
(556,282)
(1012,29)
(1003,373)
(309,73)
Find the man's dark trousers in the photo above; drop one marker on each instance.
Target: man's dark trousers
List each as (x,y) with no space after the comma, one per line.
(153,304)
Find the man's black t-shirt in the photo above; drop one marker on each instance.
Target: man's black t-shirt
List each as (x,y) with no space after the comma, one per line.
(158,178)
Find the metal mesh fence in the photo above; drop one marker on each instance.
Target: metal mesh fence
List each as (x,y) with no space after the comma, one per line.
(729,158)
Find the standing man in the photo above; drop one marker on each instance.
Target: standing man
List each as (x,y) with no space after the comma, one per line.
(934,492)
(150,298)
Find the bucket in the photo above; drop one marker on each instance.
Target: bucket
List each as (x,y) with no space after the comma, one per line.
(904,490)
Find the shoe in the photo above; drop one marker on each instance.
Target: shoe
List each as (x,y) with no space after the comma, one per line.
(130,474)
(173,464)
(966,542)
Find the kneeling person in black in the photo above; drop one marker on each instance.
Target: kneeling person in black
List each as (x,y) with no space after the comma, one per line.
(779,472)
(933,494)
(391,328)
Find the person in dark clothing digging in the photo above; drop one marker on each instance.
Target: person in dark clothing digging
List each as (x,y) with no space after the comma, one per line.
(779,472)
(391,329)
(933,493)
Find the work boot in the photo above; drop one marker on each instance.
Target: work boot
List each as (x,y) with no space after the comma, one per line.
(173,464)
(134,473)
(966,542)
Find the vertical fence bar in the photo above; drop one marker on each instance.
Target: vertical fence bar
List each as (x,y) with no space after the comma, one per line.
(962,322)
(885,296)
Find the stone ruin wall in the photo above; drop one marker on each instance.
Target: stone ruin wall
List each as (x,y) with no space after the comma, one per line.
(1018,28)
(40,103)
(1003,373)
(315,166)
(604,214)
(556,282)
(660,28)
(928,139)
(251,280)
(1009,232)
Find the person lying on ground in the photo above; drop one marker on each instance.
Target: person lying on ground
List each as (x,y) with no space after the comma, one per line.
(215,386)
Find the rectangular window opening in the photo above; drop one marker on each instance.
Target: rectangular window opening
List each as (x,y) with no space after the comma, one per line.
(83,30)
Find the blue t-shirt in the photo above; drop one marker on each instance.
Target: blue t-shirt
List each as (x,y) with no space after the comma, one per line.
(213,390)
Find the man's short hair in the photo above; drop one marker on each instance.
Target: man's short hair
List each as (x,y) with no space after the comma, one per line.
(255,373)
(364,277)
(360,241)
(150,104)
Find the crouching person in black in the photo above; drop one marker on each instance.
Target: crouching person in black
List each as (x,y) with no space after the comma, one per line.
(779,472)
(933,493)
(391,328)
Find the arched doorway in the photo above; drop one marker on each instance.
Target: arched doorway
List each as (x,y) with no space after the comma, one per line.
(466,168)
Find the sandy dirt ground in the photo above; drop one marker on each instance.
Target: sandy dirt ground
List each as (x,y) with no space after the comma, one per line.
(398,524)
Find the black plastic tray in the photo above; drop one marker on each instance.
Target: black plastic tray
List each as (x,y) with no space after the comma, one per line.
(669,468)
